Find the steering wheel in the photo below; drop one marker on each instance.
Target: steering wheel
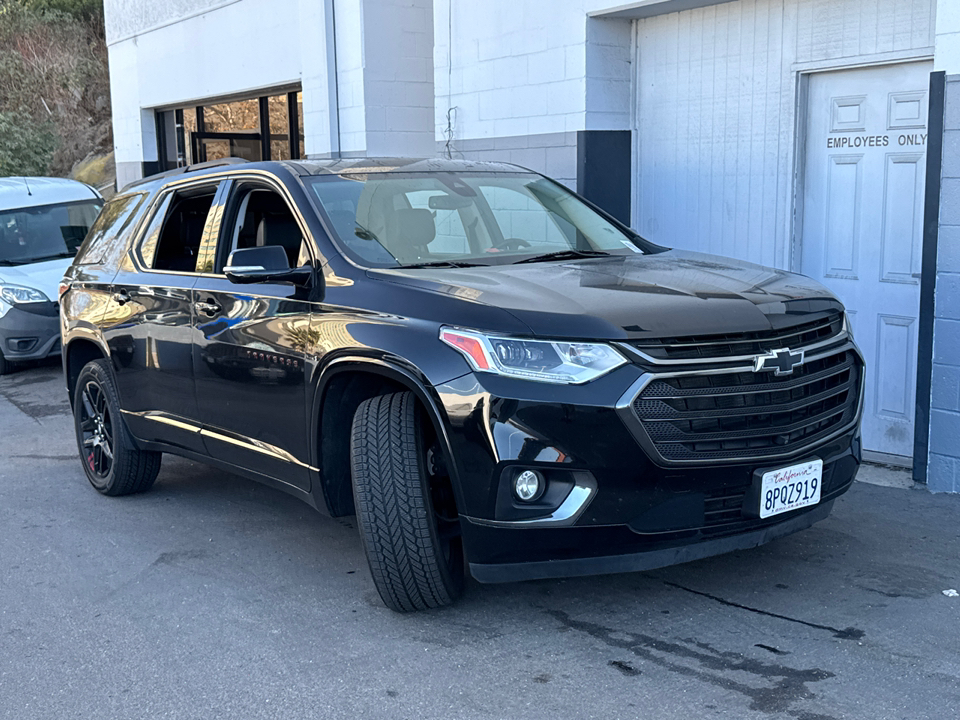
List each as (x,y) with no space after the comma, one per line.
(511,244)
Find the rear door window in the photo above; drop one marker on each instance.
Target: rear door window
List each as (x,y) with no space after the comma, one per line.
(172,242)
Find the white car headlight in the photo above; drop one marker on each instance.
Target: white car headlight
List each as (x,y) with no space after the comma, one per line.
(553,361)
(16,294)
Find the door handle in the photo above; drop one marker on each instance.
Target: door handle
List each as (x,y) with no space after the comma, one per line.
(121,297)
(207,308)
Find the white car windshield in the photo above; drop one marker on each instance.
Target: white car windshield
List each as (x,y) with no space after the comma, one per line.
(461,219)
(45,232)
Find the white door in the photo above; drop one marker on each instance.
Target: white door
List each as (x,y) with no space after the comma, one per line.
(862,219)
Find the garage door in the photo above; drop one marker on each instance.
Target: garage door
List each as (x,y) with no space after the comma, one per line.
(866,141)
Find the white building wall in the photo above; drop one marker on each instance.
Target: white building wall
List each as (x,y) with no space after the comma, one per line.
(229,49)
(398,76)
(512,77)
(947,56)
(718,92)
(317,51)
(181,53)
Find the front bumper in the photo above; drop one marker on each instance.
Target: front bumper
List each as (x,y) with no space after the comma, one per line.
(30,331)
(635,514)
(648,559)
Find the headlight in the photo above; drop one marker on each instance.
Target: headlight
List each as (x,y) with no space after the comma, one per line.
(16,294)
(552,361)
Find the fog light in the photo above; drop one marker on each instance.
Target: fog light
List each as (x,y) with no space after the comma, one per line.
(528,485)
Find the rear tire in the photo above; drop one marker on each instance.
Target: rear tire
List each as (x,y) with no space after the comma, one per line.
(414,565)
(112,462)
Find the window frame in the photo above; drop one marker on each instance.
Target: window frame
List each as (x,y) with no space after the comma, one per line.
(232,198)
(162,204)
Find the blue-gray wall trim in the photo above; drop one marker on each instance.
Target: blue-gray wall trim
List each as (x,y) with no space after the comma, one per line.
(928,276)
(604,170)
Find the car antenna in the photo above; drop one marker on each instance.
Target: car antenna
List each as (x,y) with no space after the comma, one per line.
(28,187)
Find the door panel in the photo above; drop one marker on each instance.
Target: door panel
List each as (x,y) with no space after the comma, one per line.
(249,370)
(151,316)
(862,223)
(842,244)
(148,327)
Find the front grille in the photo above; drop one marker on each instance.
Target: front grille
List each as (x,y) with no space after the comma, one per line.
(730,415)
(724,511)
(705,347)
(724,506)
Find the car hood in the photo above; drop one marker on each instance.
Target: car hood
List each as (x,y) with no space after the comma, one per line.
(666,294)
(42,276)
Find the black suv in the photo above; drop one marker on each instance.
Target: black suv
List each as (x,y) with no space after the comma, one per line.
(485,368)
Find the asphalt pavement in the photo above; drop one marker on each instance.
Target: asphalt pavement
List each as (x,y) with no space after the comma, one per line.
(214,597)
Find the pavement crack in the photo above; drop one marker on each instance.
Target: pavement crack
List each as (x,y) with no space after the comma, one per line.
(850,633)
(770,648)
(786,686)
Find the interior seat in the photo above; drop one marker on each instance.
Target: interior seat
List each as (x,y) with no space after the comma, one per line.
(281,230)
(415,231)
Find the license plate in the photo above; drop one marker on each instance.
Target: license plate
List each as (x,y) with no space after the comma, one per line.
(790,488)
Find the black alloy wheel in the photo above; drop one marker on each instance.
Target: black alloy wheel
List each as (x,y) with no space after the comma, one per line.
(96,428)
(111,460)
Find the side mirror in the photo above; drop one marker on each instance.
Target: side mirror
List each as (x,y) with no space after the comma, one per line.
(265,264)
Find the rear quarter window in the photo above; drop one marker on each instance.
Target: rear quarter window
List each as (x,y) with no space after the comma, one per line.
(116,217)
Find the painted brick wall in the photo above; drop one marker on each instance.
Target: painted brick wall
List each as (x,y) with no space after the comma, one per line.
(717,96)
(948,37)
(943,473)
(515,82)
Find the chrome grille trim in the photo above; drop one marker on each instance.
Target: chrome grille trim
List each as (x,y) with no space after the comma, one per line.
(626,408)
(632,349)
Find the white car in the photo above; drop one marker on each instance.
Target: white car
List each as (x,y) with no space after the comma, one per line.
(42,223)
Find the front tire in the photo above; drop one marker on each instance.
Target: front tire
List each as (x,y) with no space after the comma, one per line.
(111,461)
(405,508)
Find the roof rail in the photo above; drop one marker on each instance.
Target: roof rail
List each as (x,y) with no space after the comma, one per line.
(186,169)
(214,163)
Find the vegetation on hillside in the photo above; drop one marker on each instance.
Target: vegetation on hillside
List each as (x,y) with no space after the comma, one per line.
(54,85)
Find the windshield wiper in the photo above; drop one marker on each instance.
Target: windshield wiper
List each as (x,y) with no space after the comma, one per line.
(563,255)
(42,258)
(442,263)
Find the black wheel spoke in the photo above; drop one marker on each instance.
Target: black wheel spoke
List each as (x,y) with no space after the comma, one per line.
(88,402)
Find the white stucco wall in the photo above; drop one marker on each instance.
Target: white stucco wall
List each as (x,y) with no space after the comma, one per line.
(165,55)
(948,37)
(717,111)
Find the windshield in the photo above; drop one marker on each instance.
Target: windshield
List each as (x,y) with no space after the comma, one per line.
(462,219)
(46,232)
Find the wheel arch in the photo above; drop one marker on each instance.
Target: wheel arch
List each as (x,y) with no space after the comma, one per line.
(343,385)
(77,352)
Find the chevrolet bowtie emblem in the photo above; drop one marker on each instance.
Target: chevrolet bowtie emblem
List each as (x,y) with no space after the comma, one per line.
(782,362)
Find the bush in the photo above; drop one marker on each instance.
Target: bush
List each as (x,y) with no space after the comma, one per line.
(26,147)
(53,76)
